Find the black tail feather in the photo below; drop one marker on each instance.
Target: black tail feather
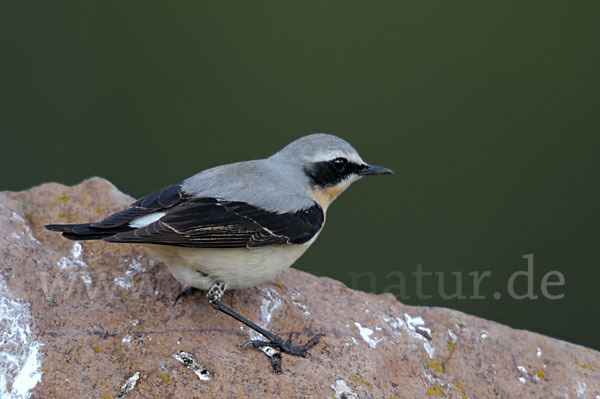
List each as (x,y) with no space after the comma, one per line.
(85,231)
(119,222)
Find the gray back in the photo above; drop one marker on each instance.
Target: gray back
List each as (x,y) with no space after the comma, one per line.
(277,183)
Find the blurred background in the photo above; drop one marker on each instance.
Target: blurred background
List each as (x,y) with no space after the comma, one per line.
(487,112)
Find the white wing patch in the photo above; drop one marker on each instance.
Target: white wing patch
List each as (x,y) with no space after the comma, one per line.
(146,220)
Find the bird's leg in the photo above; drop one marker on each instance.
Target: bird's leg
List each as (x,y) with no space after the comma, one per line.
(215,292)
(186,292)
(274,341)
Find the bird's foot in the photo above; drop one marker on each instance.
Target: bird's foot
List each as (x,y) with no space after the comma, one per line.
(285,346)
(185,293)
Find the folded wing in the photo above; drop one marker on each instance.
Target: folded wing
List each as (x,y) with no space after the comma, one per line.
(176,218)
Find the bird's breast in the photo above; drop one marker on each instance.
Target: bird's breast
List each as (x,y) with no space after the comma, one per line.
(238,267)
(324,195)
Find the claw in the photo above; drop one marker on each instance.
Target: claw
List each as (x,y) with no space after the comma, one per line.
(185,293)
(315,340)
(286,346)
(255,343)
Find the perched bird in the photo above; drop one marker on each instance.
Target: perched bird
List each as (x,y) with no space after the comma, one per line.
(238,225)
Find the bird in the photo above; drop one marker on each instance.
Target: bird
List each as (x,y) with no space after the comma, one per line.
(238,225)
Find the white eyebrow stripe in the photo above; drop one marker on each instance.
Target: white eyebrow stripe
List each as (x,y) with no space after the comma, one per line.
(145,220)
(329,155)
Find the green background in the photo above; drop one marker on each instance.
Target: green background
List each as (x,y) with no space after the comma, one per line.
(488,112)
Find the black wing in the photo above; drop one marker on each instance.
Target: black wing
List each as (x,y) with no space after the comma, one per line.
(159,200)
(201,223)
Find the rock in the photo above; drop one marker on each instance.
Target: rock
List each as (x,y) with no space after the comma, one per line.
(97,320)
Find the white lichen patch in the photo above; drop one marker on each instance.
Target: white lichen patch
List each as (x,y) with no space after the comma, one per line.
(20,359)
(300,305)
(87,280)
(66,263)
(268,304)
(136,265)
(431,378)
(523,371)
(395,323)
(429,349)
(415,328)
(453,337)
(128,385)
(124,281)
(26,230)
(76,251)
(342,390)
(366,333)
(188,361)
(414,323)
(581,386)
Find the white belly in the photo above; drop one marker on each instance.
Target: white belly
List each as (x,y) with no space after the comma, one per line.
(238,267)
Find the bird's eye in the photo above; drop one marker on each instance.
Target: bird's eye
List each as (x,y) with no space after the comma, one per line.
(339,163)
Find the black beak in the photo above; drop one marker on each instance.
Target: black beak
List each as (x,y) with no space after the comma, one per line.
(374,170)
